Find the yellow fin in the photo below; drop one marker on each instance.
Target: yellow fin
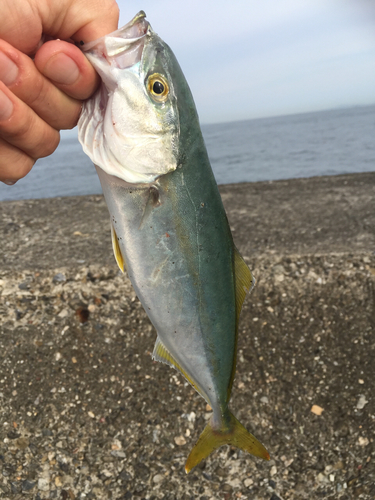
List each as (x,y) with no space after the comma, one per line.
(117,251)
(234,434)
(162,354)
(245,281)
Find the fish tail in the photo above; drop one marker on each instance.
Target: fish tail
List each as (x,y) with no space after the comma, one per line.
(233,433)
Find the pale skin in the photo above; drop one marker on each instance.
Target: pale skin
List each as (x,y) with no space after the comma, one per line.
(42,85)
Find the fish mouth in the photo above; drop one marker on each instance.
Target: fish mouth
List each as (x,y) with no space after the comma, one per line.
(120,49)
(120,129)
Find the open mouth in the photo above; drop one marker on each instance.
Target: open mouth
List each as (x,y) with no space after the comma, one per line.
(122,48)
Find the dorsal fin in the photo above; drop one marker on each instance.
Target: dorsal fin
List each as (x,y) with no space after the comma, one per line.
(117,251)
(244,281)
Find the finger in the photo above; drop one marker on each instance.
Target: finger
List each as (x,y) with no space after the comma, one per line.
(22,77)
(14,163)
(23,128)
(24,23)
(80,19)
(20,25)
(66,66)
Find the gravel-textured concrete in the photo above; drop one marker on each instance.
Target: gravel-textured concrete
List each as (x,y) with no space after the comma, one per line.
(85,413)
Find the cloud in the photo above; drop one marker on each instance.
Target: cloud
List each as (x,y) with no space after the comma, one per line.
(249,59)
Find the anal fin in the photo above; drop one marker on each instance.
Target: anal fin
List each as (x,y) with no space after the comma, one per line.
(162,354)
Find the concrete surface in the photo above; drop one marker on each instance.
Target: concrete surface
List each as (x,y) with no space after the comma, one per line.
(85,413)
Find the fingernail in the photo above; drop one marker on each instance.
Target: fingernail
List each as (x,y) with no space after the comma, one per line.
(6,107)
(61,69)
(9,182)
(8,70)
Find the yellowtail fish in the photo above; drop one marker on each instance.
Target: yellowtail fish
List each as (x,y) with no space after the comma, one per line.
(169,228)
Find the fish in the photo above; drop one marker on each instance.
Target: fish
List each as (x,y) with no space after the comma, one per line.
(170,232)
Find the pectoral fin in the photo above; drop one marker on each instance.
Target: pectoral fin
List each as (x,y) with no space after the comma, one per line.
(117,250)
(153,201)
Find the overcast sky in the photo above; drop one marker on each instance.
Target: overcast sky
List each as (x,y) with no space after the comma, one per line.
(250,58)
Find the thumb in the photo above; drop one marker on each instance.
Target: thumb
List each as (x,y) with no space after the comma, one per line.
(80,20)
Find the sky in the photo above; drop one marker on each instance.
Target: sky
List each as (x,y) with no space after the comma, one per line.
(249,59)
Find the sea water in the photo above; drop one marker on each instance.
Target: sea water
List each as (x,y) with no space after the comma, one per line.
(302,145)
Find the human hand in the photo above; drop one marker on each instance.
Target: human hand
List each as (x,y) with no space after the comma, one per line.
(42,96)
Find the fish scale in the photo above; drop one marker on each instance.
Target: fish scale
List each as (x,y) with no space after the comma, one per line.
(169,228)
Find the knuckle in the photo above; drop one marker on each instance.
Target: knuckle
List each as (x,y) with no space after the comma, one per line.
(29,84)
(72,120)
(34,89)
(68,117)
(21,128)
(36,86)
(24,166)
(30,134)
(54,106)
(49,144)
(14,163)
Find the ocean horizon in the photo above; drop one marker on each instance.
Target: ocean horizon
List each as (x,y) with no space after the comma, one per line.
(330,142)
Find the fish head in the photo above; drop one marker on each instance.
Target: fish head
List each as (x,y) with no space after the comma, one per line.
(130,128)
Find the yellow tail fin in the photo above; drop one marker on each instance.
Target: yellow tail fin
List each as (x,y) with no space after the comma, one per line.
(234,434)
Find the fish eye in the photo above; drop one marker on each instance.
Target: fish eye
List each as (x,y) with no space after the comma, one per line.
(158,87)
